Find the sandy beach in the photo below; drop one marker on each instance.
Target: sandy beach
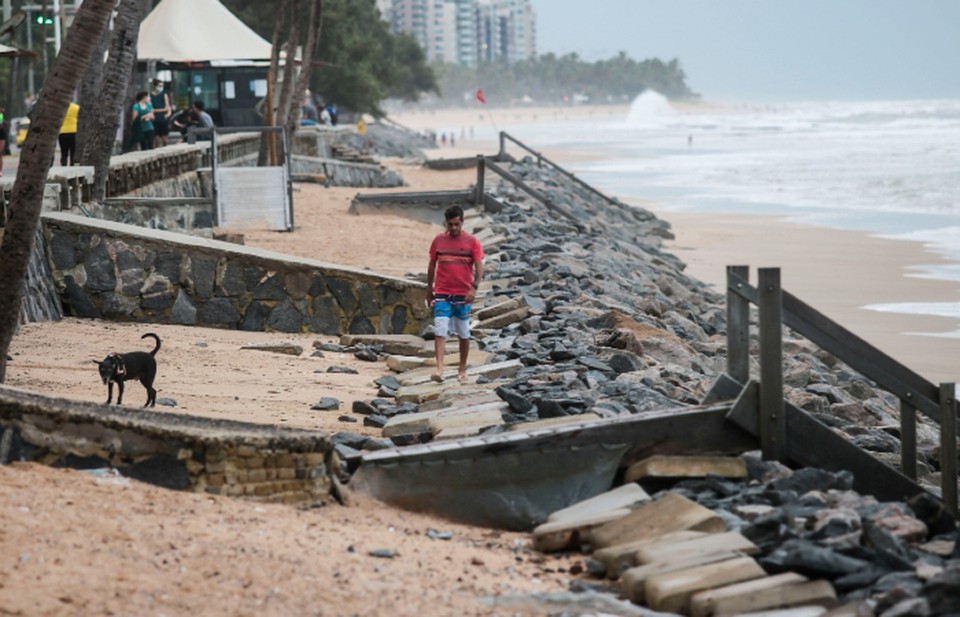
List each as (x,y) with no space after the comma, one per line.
(76,544)
(838,272)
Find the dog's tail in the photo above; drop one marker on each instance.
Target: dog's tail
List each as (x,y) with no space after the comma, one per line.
(156,338)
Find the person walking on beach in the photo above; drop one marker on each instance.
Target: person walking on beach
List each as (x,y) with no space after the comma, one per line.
(68,136)
(454,273)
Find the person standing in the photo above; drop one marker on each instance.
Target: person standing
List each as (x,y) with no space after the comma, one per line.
(453,275)
(161,114)
(141,120)
(68,136)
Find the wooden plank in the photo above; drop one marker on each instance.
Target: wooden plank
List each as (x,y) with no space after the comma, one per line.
(703,603)
(813,444)
(738,326)
(663,466)
(853,350)
(779,597)
(673,550)
(671,592)
(908,440)
(633,581)
(672,512)
(621,557)
(773,426)
(948,446)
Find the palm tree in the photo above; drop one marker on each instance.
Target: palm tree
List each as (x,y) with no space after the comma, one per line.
(35,160)
(106,114)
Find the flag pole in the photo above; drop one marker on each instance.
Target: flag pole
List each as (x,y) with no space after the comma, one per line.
(481,97)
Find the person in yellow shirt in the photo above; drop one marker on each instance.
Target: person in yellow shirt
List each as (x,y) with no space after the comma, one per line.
(68,136)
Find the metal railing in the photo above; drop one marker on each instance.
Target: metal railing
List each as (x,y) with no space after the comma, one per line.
(502,154)
(777,308)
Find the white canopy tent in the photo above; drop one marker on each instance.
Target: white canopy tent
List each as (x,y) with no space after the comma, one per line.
(193,31)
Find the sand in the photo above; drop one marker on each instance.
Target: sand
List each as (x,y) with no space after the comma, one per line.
(72,543)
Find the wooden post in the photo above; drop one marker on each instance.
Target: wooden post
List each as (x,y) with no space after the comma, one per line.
(503,146)
(773,420)
(738,328)
(481,173)
(948,446)
(908,440)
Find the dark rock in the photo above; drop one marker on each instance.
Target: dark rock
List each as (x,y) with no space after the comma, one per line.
(285,317)
(388,381)
(218,312)
(326,403)
(351,440)
(342,369)
(363,408)
(375,420)
(346,418)
(810,479)
(326,316)
(518,403)
(367,355)
(625,363)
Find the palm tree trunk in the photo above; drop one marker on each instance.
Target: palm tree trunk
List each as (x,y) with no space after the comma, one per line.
(36,158)
(113,88)
(306,64)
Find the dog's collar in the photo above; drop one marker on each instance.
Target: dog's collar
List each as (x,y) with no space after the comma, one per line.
(121,367)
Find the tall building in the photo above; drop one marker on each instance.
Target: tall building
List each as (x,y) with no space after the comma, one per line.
(466,32)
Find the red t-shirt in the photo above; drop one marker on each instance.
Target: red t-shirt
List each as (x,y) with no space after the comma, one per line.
(455,257)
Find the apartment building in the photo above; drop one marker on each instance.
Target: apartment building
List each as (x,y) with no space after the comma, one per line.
(466,32)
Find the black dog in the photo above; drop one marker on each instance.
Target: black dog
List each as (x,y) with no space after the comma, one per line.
(117,367)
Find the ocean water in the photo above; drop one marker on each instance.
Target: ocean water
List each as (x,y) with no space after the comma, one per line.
(891,168)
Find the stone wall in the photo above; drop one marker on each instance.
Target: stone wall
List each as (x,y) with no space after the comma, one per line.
(175,451)
(192,215)
(121,272)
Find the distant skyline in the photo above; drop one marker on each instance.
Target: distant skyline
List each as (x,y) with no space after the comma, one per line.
(773,50)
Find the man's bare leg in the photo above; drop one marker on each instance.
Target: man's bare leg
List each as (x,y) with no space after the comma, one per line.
(440,350)
(464,350)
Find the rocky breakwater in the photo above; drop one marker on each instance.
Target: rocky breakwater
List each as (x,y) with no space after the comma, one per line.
(605,323)
(611,324)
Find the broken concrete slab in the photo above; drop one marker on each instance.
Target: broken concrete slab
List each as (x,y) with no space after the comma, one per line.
(785,590)
(400,363)
(623,496)
(429,390)
(499,308)
(461,400)
(422,374)
(671,591)
(432,391)
(672,512)
(505,319)
(478,416)
(633,580)
(732,541)
(552,422)
(667,467)
(403,344)
(621,557)
(484,414)
(571,533)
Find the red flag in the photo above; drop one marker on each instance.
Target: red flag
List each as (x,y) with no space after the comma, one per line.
(480,96)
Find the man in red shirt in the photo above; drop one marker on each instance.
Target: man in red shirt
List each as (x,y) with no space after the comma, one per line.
(454,273)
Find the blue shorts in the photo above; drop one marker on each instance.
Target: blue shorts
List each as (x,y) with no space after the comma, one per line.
(451,314)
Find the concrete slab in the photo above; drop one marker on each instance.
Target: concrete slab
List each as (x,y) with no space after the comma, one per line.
(732,541)
(452,402)
(478,416)
(633,580)
(785,590)
(621,497)
(671,591)
(571,533)
(686,467)
(499,308)
(403,344)
(621,557)
(401,364)
(483,414)
(505,319)
(475,361)
(672,512)
(552,422)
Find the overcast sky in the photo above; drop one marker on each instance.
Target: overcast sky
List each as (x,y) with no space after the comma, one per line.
(773,50)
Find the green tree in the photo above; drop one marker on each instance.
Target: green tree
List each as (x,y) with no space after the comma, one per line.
(359,62)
